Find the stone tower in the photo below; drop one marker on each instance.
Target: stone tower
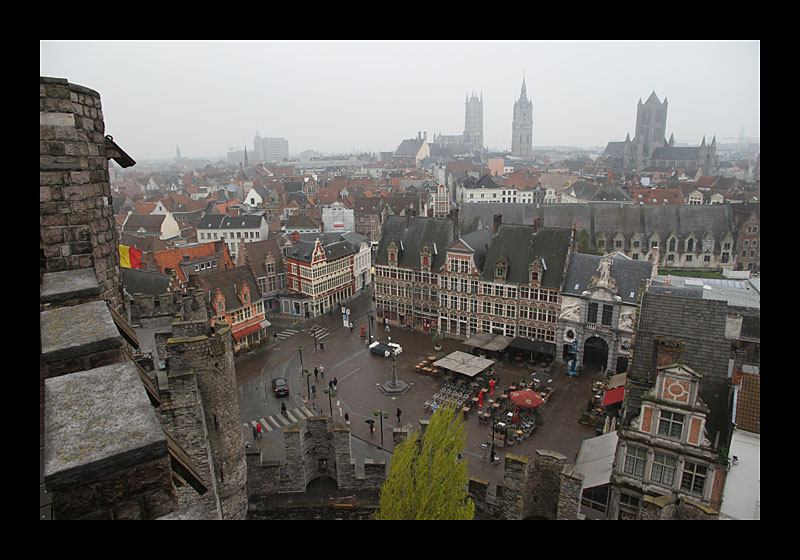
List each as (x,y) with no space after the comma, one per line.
(76,218)
(651,126)
(473,122)
(522,126)
(205,354)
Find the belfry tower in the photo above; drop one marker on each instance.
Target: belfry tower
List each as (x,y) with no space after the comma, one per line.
(522,126)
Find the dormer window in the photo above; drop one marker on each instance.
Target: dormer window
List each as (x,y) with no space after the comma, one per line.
(392,252)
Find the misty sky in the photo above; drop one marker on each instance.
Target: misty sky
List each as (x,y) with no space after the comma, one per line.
(340,96)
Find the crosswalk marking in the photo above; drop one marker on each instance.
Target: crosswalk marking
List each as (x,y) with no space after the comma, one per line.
(279,421)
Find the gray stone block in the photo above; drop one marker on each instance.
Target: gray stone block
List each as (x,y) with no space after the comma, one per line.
(72,332)
(98,422)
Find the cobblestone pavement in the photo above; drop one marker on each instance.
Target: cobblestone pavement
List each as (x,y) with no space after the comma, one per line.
(359,375)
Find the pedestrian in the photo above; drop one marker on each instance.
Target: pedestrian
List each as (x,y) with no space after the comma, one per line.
(258,428)
(330,385)
(335,381)
(322,372)
(283,406)
(346,418)
(387,328)
(398,415)
(316,373)
(351,327)
(255,433)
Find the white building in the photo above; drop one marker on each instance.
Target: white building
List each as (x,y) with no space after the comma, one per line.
(234,230)
(337,218)
(741,498)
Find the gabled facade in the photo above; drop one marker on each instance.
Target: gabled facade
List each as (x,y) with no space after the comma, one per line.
(665,461)
(233,297)
(322,274)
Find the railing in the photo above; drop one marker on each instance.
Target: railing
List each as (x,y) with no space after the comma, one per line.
(596,327)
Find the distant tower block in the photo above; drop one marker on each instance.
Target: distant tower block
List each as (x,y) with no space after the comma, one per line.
(473,122)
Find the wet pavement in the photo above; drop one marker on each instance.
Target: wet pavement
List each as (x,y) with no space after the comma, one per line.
(359,374)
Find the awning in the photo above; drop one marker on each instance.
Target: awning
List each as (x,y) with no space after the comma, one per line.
(596,459)
(533,346)
(247,330)
(464,363)
(487,341)
(613,396)
(617,380)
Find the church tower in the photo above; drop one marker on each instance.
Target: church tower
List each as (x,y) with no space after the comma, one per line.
(651,126)
(522,126)
(473,122)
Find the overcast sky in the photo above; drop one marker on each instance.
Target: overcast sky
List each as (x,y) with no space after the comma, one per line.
(340,96)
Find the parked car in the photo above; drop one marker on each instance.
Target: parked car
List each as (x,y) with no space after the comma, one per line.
(280,388)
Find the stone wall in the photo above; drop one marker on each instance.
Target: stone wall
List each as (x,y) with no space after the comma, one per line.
(543,486)
(76,218)
(318,450)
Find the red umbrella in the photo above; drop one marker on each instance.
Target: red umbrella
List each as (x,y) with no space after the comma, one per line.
(525,399)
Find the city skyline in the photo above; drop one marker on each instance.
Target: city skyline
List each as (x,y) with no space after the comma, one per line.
(345,96)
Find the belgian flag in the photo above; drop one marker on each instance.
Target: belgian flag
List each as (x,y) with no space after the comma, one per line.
(130,257)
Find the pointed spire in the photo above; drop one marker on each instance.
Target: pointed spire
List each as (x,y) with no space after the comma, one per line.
(523,94)
(703,143)
(714,141)
(671,140)
(628,137)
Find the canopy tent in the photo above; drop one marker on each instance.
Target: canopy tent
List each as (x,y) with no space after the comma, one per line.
(464,363)
(487,341)
(529,345)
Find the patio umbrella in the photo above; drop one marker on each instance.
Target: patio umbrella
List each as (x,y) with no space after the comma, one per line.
(525,399)
(542,380)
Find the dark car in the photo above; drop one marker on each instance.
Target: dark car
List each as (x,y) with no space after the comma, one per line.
(280,388)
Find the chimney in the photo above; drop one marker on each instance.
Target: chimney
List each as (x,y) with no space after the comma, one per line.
(497,221)
(454,217)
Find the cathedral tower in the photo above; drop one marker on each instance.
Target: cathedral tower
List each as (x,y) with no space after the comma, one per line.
(522,126)
(651,126)
(473,122)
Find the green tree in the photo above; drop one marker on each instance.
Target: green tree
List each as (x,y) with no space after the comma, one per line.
(427,480)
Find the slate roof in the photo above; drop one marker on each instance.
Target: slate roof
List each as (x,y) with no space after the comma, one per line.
(520,245)
(137,281)
(436,232)
(611,219)
(222,221)
(700,325)
(255,251)
(627,273)
(229,282)
(336,245)
(479,241)
(409,148)
(598,193)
